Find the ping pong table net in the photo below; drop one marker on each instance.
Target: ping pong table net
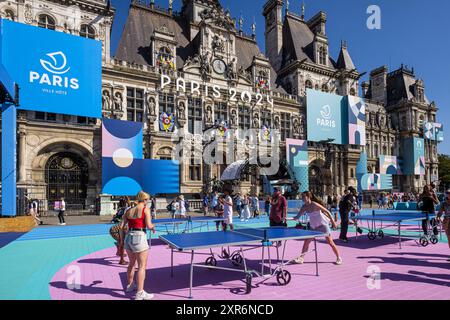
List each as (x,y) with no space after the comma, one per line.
(256,233)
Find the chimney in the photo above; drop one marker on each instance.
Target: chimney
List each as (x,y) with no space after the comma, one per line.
(378,82)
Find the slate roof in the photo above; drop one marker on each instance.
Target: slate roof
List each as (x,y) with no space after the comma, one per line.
(134,45)
(400,85)
(298,41)
(246,50)
(344,60)
(135,42)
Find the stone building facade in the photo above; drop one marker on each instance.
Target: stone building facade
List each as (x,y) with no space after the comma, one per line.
(61,155)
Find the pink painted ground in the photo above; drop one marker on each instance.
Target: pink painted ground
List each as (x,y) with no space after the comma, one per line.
(413,272)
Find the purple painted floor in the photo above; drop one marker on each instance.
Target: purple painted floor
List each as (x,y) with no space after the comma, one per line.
(413,272)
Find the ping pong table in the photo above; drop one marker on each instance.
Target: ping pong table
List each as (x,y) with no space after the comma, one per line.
(376,223)
(245,239)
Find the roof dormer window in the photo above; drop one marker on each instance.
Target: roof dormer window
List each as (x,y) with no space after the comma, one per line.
(323,55)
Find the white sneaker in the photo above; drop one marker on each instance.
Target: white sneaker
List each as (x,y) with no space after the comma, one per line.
(144,296)
(338,261)
(131,287)
(63,224)
(299,260)
(242,220)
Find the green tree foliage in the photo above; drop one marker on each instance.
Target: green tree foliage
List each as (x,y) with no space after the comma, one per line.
(444,170)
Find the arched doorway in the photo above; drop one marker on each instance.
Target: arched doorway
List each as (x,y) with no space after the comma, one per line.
(67,176)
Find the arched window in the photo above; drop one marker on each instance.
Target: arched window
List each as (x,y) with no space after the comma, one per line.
(323,55)
(375,151)
(86,31)
(384,150)
(9,14)
(324,88)
(46,22)
(308,84)
(352,92)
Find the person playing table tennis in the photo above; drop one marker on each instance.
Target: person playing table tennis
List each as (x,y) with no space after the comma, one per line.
(227,202)
(319,219)
(138,220)
(218,210)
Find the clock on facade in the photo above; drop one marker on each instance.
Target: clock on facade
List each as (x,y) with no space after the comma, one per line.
(219,66)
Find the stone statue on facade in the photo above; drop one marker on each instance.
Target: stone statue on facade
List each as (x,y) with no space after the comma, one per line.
(205,65)
(106,100)
(234,117)
(181,111)
(277,124)
(296,127)
(209,118)
(151,106)
(118,101)
(217,44)
(231,72)
(256,120)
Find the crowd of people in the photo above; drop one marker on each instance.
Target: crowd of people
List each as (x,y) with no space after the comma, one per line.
(131,236)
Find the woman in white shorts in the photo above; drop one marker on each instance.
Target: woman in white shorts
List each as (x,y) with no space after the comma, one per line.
(319,220)
(227,202)
(139,220)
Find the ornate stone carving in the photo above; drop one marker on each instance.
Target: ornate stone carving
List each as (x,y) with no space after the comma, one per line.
(277,122)
(255,122)
(106,100)
(28,14)
(218,45)
(302,124)
(296,127)
(151,103)
(233,118)
(245,74)
(231,70)
(209,118)
(181,111)
(118,101)
(205,65)
(382,121)
(218,18)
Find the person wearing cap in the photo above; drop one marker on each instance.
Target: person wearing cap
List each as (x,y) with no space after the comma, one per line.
(445,211)
(278,210)
(345,206)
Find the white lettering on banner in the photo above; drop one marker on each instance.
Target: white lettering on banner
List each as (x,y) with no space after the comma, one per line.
(326,123)
(181,85)
(55,79)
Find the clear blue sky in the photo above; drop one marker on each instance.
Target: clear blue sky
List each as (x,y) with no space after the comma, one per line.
(413,32)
